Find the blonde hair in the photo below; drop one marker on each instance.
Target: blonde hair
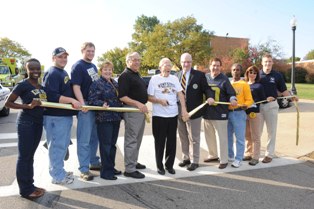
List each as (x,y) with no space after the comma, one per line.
(105,64)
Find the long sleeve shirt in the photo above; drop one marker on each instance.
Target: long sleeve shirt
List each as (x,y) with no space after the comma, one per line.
(103,91)
(243,94)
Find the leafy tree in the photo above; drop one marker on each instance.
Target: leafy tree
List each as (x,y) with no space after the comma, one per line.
(171,40)
(9,48)
(143,27)
(117,57)
(310,55)
(296,59)
(253,55)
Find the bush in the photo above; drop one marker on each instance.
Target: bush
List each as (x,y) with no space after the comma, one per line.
(309,78)
(300,74)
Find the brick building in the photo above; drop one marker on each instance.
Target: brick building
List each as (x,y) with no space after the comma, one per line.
(222,46)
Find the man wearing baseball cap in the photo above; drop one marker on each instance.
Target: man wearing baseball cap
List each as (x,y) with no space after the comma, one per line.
(58,122)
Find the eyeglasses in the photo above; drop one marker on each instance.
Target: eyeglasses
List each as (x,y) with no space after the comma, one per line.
(252,72)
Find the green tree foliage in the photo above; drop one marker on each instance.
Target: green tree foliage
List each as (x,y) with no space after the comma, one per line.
(117,57)
(310,55)
(253,55)
(143,27)
(9,48)
(171,40)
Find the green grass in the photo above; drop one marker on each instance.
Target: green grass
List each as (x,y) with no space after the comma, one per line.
(304,90)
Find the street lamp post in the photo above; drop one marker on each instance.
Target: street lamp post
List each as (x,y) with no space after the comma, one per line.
(293,23)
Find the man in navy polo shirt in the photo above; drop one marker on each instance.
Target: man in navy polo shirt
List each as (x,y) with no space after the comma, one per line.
(273,83)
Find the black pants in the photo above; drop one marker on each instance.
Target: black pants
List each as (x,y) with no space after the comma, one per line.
(165,133)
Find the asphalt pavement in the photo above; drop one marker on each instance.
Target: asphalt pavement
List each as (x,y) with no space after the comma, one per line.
(287,182)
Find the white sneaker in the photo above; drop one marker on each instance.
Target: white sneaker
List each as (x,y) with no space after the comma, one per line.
(230,160)
(66,180)
(236,164)
(69,174)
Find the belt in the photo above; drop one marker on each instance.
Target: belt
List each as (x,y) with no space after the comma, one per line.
(237,109)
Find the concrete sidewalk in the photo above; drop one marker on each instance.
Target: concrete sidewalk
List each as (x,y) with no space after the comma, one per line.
(286,131)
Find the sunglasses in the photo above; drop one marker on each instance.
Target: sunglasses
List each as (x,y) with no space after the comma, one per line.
(252,72)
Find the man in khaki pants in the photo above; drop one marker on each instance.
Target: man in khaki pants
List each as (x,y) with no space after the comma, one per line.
(272,82)
(216,115)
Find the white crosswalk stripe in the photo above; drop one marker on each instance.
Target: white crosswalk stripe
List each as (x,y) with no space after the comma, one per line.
(146,156)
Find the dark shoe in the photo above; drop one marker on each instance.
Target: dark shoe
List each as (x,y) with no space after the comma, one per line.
(184,163)
(135,174)
(161,171)
(95,167)
(192,167)
(111,178)
(208,160)
(140,166)
(36,194)
(222,165)
(171,170)
(117,172)
(253,162)
(267,159)
(247,158)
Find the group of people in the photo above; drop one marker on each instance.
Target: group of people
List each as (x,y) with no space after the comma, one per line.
(233,109)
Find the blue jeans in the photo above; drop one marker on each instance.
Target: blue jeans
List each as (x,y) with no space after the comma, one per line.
(87,140)
(237,126)
(29,135)
(58,133)
(108,135)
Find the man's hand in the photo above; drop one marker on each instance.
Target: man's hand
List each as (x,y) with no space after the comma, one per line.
(210,101)
(142,108)
(185,115)
(76,104)
(270,99)
(234,103)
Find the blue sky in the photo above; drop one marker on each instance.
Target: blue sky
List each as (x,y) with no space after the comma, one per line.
(42,25)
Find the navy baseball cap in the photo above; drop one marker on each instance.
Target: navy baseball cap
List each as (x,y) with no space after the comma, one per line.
(59,51)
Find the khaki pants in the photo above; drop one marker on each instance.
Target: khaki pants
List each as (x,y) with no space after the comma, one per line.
(269,114)
(212,128)
(190,136)
(253,136)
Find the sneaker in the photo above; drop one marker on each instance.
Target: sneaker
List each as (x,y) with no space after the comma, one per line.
(69,174)
(87,176)
(230,160)
(95,167)
(66,180)
(236,164)
(253,162)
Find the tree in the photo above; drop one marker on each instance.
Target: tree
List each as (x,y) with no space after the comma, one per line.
(9,48)
(117,57)
(310,55)
(143,26)
(171,40)
(253,55)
